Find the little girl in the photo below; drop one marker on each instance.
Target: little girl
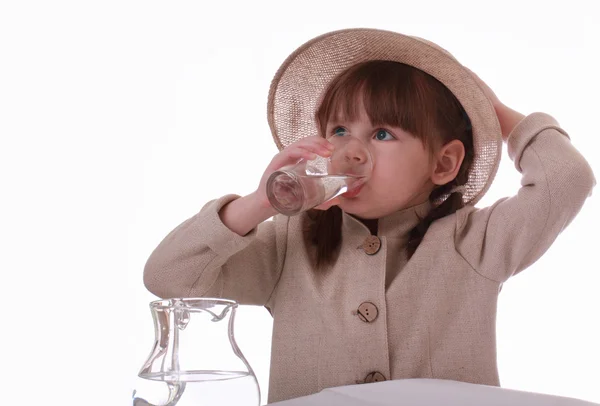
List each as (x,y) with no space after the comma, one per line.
(400,279)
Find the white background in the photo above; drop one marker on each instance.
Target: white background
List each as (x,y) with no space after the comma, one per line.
(119,119)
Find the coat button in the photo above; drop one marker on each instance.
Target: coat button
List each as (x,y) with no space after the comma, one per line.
(367,312)
(374,377)
(371,245)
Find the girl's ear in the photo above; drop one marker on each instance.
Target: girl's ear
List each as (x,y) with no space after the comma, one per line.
(447,162)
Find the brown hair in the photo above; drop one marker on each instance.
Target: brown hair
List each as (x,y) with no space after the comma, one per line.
(397,95)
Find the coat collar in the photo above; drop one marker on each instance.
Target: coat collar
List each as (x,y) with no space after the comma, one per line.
(395,225)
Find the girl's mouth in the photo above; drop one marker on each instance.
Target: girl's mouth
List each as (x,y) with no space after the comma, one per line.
(353,192)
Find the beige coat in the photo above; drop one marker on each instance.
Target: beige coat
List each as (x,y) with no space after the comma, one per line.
(373,317)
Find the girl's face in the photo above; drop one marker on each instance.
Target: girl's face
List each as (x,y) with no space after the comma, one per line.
(402,168)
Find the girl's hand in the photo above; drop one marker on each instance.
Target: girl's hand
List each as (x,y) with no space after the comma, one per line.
(307,148)
(507,117)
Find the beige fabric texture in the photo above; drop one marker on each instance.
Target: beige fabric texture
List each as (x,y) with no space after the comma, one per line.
(437,312)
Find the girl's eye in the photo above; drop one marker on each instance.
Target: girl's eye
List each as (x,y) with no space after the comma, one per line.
(340,131)
(383,135)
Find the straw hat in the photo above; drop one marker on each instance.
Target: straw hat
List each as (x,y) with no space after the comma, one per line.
(298,85)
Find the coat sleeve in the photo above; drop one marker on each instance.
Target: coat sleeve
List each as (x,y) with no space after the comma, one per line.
(204,258)
(501,240)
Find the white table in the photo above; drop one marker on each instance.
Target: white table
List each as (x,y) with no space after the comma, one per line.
(428,392)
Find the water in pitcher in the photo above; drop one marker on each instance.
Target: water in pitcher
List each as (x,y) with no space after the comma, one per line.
(197,388)
(195,360)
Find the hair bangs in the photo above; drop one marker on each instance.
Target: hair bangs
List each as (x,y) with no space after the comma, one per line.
(391,93)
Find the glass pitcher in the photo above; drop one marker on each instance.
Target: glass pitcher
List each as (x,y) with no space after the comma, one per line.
(195,360)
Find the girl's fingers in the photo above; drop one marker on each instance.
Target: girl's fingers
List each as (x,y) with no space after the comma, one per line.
(305,151)
(315,144)
(291,155)
(317,149)
(306,148)
(301,153)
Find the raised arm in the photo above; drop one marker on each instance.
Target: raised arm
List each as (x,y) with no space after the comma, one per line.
(501,240)
(228,249)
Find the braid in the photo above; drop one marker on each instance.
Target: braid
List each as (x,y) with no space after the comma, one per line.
(450,201)
(451,204)
(323,231)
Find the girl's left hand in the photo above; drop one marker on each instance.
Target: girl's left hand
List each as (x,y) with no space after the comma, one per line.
(507,117)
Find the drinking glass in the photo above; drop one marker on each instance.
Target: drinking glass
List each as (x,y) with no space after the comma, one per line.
(308,183)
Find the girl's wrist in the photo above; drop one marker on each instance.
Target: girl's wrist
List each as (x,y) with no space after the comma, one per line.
(242,215)
(508,119)
(261,204)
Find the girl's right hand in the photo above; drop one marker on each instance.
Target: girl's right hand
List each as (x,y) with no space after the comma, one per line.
(305,148)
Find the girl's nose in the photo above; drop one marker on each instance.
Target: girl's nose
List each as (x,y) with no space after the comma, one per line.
(351,156)
(356,155)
